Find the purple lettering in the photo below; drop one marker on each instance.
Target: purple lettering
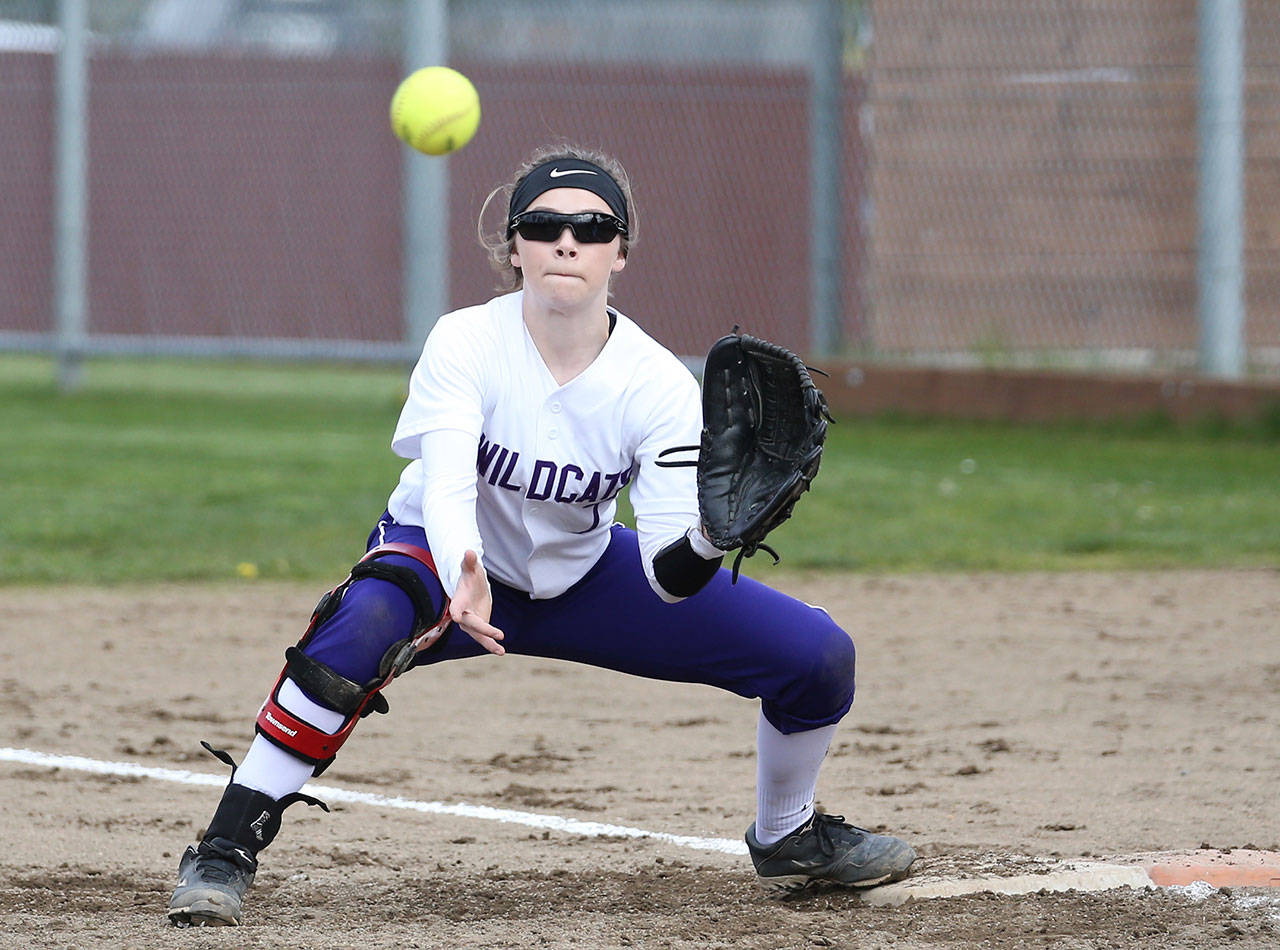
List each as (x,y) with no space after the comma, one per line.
(613,486)
(560,486)
(595,519)
(505,481)
(497,466)
(485,455)
(592,491)
(536,492)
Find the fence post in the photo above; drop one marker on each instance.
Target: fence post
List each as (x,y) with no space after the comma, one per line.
(826,199)
(71,196)
(425,253)
(1219,264)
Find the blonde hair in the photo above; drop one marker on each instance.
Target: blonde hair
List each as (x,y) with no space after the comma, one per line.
(499,247)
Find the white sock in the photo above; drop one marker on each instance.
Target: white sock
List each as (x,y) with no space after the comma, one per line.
(787,777)
(269,769)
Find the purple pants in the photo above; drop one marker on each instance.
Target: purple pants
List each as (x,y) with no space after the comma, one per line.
(745,637)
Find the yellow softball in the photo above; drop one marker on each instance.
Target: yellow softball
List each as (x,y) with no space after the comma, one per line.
(436,110)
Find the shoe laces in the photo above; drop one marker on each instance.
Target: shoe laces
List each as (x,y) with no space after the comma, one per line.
(830,829)
(216,866)
(215,870)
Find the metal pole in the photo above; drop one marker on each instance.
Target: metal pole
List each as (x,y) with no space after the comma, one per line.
(426,186)
(71,196)
(1219,267)
(826,218)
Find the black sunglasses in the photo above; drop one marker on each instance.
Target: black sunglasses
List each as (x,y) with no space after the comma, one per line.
(589,227)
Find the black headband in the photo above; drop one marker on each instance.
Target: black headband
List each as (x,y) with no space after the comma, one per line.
(568,173)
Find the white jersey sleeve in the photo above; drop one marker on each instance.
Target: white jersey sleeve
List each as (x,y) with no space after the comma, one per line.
(664,492)
(446,389)
(439,430)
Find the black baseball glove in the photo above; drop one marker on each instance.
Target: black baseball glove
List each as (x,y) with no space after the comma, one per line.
(763,426)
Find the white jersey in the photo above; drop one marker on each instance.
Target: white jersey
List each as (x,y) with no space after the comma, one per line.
(526,472)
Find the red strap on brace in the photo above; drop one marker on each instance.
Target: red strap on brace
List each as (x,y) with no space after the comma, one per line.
(408,550)
(304,739)
(301,738)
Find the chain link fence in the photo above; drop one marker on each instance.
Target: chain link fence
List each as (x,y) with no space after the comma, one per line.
(1035,182)
(1017,178)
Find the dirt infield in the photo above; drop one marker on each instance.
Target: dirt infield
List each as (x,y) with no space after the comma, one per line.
(1002,722)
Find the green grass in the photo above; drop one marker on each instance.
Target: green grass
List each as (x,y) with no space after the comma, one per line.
(189,470)
(912,496)
(179,470)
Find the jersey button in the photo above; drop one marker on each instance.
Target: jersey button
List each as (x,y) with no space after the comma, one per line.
(552,433)
(555,407)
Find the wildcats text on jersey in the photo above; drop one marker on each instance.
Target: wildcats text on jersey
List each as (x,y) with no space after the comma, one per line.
(567,484)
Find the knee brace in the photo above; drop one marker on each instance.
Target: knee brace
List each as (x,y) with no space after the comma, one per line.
(328,687)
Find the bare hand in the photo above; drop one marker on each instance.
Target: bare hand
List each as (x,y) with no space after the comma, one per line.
(472,605)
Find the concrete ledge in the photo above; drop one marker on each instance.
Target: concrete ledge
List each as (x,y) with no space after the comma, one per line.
(855,389)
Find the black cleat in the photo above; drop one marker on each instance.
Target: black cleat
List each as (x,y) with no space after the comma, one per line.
(212,879)
(827,848)
(214,875)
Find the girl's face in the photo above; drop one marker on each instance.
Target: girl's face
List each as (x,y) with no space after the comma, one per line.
(565,273)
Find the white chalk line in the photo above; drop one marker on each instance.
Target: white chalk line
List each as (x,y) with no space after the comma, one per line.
(328,793)
(1081,876)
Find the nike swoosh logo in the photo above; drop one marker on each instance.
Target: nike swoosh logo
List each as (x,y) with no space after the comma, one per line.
(557,173)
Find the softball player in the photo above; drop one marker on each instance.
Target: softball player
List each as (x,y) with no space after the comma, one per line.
(526,416)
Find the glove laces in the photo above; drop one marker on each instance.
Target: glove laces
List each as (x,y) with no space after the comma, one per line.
(749,551)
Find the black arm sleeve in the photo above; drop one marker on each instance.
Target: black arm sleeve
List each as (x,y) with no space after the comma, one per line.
(681,571)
